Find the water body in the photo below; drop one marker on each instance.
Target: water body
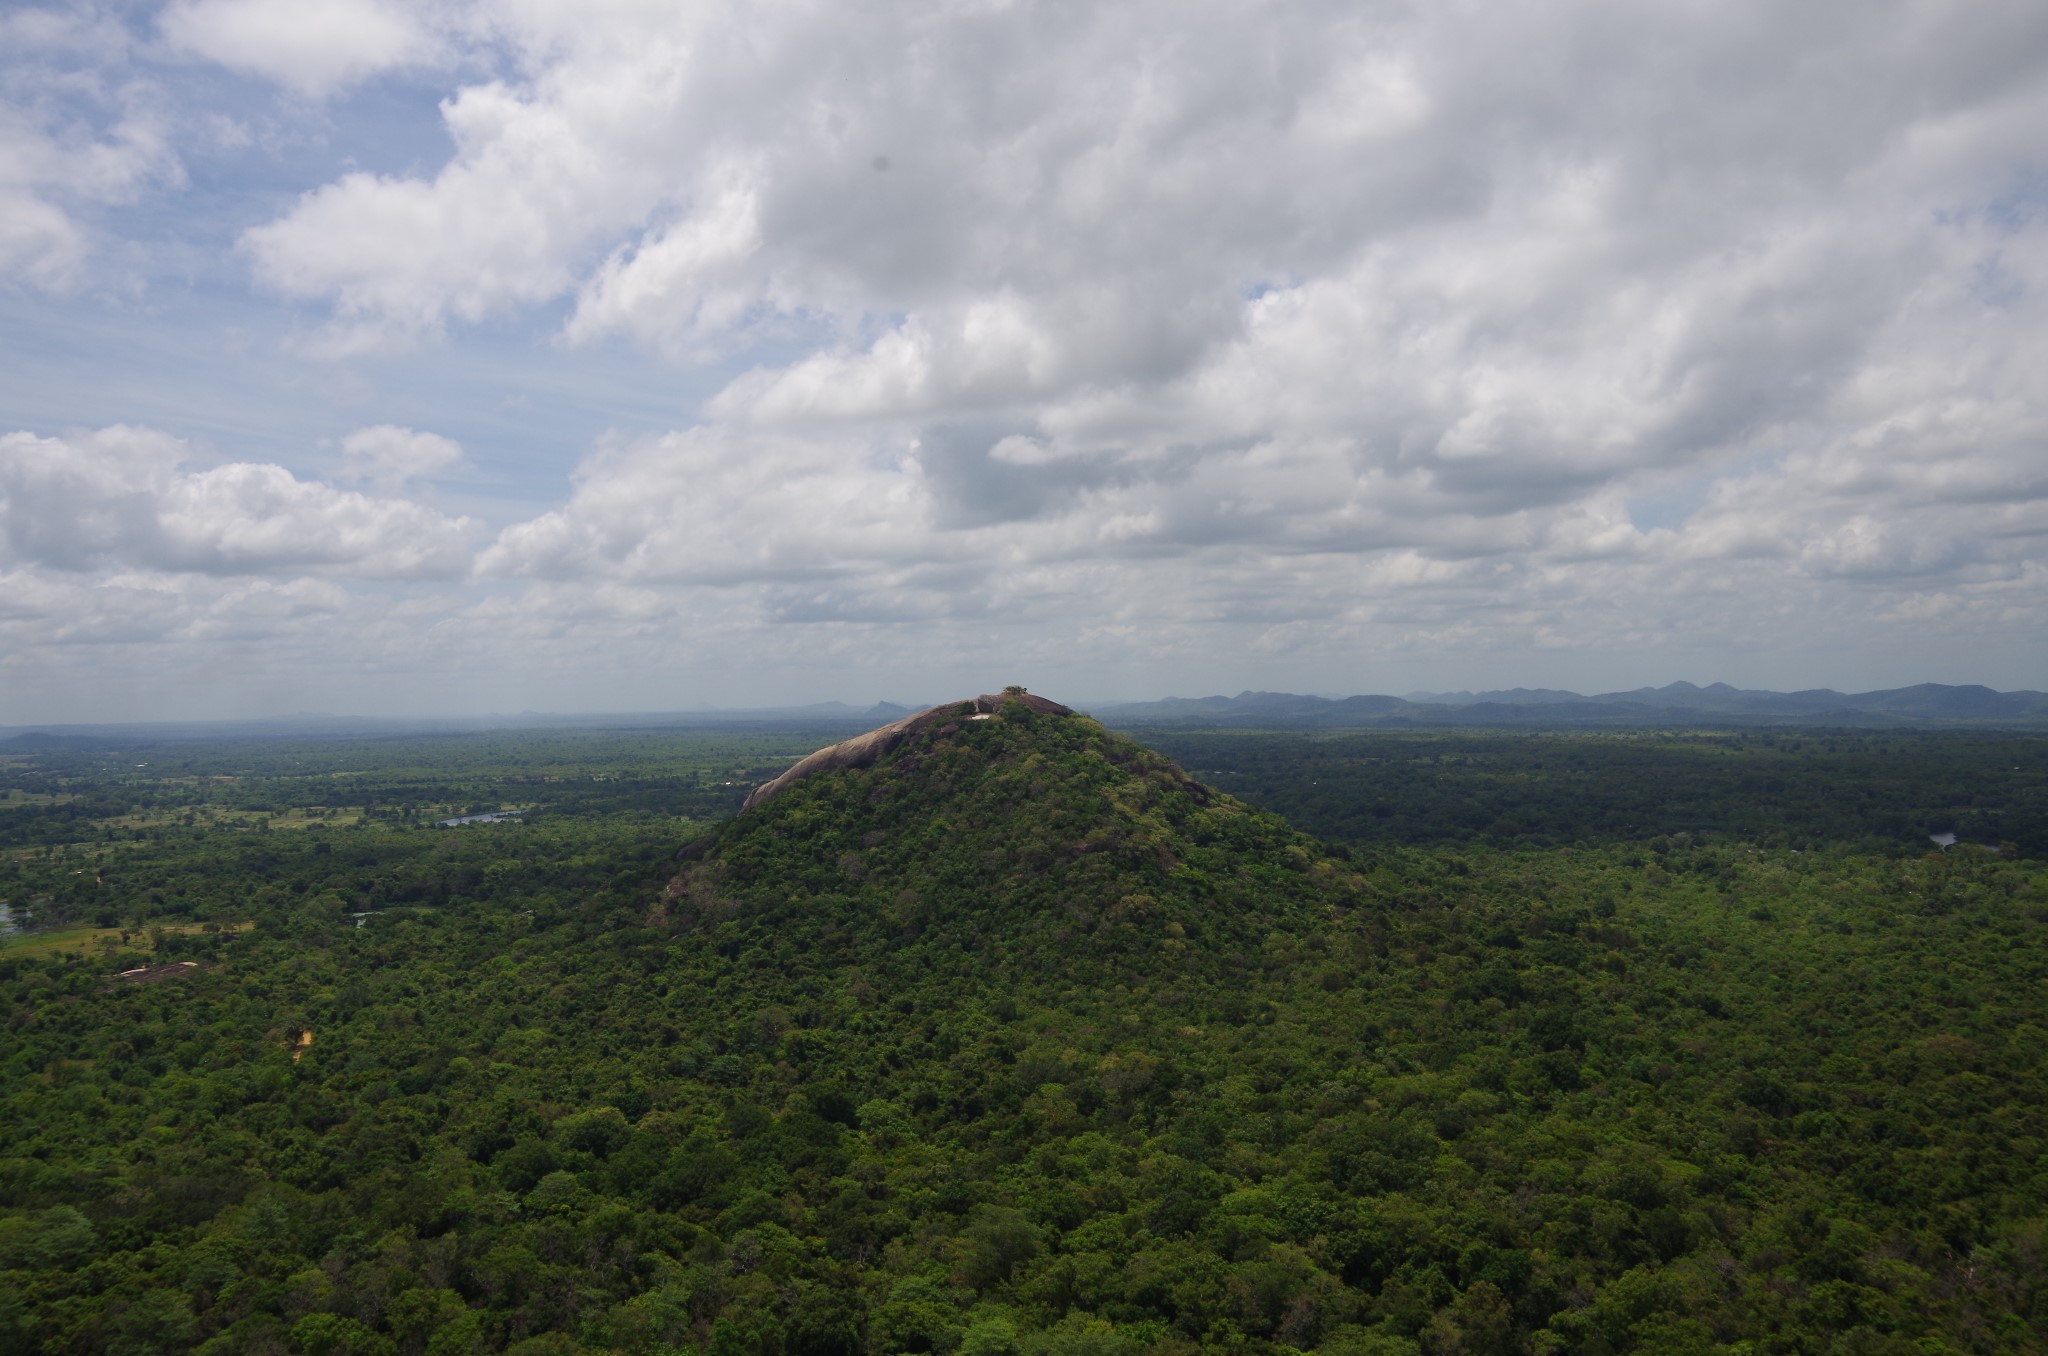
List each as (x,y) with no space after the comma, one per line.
(494,817)
(1944,840)
(7,923)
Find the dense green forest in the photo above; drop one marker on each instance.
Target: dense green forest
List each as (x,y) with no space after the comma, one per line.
(1022,1040)
(1881,792)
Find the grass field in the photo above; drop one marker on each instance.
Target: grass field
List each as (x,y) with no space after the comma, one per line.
(88,940)
(210,816)
(11,796)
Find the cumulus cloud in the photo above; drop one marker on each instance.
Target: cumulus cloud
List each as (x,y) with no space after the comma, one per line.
(313,47)
(388,456)
(70,144)
(1040,220)
(1512,260)
(504,223)
(125,497)
(1328,330)
(709,508)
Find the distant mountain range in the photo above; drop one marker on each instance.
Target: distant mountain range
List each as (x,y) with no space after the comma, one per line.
(1925,704)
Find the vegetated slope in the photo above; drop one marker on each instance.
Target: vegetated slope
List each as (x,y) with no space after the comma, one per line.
(1016,1039)
(1005,836)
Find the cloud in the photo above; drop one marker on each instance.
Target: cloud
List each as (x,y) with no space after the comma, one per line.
(313,47)
(503,224)
(69,145)
(56,607)
(670,292)
(124,498)
(388,456)
(1504,263)
(1314,333)
(708,508)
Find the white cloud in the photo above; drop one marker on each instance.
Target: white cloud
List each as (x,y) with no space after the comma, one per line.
(1303,332)
(709,508)
(314,47)
(532,191)
(63,153)
(123,497)
(38,241)
(388,456)
(71,30)
(1522,258)
(671,292)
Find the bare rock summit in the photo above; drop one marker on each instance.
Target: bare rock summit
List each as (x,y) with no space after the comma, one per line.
(866,749)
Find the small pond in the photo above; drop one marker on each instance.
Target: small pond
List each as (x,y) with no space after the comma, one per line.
(492,818)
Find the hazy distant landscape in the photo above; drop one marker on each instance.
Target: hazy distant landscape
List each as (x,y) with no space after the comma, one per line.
(1927,704)
(1921,706)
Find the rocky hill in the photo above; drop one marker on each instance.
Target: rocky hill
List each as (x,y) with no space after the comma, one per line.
(865,749)
(1004,821)
(1136,1068)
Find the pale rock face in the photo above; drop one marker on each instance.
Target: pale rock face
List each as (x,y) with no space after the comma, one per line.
(865,750)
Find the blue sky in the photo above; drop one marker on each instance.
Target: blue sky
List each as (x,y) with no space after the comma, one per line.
(507,354)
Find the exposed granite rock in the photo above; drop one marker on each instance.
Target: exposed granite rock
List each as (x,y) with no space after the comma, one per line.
(865,750)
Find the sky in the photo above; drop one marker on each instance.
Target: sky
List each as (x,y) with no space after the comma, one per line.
(457,356)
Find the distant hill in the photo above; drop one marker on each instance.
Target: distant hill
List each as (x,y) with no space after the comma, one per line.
(43,741)
(1922,705)
(1001,813)
(887,711)
(1519,696)
(1926,704)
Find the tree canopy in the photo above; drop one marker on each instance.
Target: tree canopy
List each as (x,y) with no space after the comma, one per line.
(1019,1039)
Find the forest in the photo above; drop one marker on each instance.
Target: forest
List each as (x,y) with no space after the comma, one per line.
(1027,1039)
(1882,793)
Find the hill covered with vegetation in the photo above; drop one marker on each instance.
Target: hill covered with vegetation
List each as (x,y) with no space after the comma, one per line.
(1018,1038)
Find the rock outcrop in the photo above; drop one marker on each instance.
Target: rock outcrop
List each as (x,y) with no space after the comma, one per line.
(865,750)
